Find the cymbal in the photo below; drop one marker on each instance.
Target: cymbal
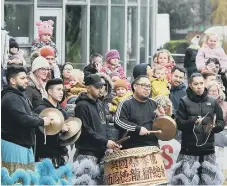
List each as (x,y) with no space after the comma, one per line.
(71,140)
(74,125)
(167,126)
(57,125)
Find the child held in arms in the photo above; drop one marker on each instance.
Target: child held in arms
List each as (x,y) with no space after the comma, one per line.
(122,93)
(159,83)
(112,64)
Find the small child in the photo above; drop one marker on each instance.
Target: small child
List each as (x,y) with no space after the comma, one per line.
(45,31)
(15,54)
(112,64)
(76,83)
(122,93)
(165,102)
(159,84)
(165,59)
(211,50)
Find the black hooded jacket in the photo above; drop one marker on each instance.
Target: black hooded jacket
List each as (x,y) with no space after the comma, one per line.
(140,70)
(18,120)
(89,69)
(93,138)
(52,147)
(190,107)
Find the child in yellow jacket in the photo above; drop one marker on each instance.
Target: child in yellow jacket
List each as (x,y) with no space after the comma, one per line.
(122,93)
(159,83)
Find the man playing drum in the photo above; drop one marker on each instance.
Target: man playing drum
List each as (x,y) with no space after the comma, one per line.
(136,115)
(198,117)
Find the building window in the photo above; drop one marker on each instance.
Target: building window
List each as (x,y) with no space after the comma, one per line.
(19,19)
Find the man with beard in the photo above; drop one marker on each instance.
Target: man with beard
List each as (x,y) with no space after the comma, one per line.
(52,149)
(18,122)
(93,141)
(196,163)
(178,88)
(136,115)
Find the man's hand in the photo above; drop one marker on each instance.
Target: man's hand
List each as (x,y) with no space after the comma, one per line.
(47,121)
(65,127)
(143,131)
(112,145)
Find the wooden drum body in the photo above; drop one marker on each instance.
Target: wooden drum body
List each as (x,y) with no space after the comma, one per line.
(134,166)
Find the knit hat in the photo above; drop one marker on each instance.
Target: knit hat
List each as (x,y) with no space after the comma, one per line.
(39,62)
(121,83)
(13,43)
(45,27)
(47,51)
(112,54)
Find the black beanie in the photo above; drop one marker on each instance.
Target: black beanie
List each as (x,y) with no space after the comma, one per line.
(13,43)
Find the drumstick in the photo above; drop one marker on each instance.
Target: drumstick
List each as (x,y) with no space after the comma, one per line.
(122,140)
(154,132)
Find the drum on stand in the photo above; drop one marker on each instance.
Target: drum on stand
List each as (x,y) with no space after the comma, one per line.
(135,166)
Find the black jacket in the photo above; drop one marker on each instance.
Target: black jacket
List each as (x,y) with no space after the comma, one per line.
(93,139)
(52,147)
(191,106)
(90,69)
(190,57)
(131,115)
(18,120)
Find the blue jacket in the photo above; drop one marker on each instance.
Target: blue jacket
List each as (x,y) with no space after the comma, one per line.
(176,93)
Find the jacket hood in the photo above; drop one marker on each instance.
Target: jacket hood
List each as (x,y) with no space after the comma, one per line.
(108,82)
(46,103)
(180,87)
(89,69)
(195,97)
(83,96)
(11,89)
(139,70)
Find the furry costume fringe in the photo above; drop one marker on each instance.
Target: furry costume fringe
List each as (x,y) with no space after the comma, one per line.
(45,174)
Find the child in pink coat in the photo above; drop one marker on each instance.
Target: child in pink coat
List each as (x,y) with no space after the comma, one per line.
(112,64)
(211,50)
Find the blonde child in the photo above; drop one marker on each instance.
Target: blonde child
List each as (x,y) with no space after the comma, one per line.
(112,64)
(76,83)
(159,83)
(166,104)
(122,93)
(165,59)
(211,50)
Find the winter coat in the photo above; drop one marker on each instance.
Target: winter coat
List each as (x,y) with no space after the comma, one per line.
(93,138)
(140,70)
(77,89)
(190,56)
(107,69)
(116,101)
(159,87)
(176,93)
(18,121)
(205,53)
(52,148)
(35,91)
(191,106)
(18,55)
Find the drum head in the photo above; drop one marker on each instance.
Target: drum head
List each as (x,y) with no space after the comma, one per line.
(168,127)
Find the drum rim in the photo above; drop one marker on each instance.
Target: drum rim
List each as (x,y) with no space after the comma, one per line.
(132,152)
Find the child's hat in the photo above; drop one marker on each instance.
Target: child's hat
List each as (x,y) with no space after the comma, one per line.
(45,27)
(47,51)
(13,43)
(121,83)
(112,54)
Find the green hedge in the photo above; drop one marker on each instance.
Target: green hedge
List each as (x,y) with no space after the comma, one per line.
(176,46)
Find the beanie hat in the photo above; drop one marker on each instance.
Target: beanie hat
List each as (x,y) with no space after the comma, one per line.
(121,83)
(47,51)
(45,27)
(13,43)
(112,54)
(39,62)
